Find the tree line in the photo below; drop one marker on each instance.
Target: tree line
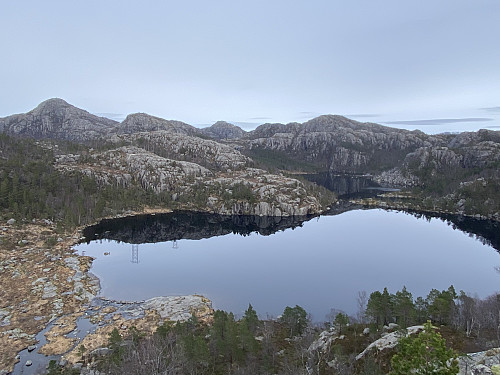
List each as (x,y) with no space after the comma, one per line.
(472,315)
(31,187)
(283,346)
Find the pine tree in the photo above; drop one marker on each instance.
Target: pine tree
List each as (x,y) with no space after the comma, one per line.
(424,354)
(340,322)
(404,309)
(251,319)
(295,319)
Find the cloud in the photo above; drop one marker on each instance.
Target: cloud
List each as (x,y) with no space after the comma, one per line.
(439,121)
(307,115)
(493,127)
(112,116)
(246,125)
(491,109)
(260,118)
(363,115)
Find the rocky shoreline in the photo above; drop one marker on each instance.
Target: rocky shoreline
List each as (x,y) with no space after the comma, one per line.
(384,203)
(43,281)
(54,285)
(38,262)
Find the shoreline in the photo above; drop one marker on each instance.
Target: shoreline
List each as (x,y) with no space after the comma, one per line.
(75,304)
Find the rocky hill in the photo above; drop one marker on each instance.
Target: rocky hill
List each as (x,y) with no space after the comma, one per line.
(206,152)
(459,172)
(338,144)
(142,122)
(57,119)
(246,191)
(222,130)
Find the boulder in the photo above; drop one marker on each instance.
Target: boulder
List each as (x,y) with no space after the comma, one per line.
(487,362)
(393,326)
(390,340)
(99,352)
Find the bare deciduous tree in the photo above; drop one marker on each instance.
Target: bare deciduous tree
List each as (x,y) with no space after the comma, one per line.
(361,302)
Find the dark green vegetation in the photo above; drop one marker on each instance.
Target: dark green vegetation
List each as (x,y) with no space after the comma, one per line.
(31,187)
(275,160)
(288,345)
(425,354)
(477,319)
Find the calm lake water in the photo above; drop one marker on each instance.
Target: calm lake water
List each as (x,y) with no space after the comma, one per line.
(319,264)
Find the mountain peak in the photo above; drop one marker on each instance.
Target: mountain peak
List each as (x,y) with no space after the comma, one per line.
(223,130)
(51,104)
(141,122)
(55,118)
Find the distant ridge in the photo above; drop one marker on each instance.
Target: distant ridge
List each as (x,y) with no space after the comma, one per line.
(57,119)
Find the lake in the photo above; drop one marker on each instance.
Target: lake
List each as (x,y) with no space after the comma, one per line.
(319,263)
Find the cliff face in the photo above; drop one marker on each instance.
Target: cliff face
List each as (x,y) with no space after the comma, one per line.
(339,144)
(125,165)
(466,150)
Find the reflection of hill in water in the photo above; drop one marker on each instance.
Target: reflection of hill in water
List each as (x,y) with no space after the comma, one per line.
(196,226)
(186,225)
(485,231)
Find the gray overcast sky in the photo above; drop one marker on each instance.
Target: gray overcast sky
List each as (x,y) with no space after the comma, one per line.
(250,62)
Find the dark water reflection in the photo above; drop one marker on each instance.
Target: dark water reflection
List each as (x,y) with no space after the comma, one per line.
(196,226)
(186,225)
(485,231)
(320,263)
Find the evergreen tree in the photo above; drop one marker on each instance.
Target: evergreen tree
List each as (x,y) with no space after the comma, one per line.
(441,304)
(404,309)
(295,319)
(421,314)
(341,321)
(251,319)
(424,354)
(379,307)
(114,343)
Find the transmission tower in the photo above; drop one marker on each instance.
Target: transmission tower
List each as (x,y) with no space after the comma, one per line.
(174,244)
(135,253)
